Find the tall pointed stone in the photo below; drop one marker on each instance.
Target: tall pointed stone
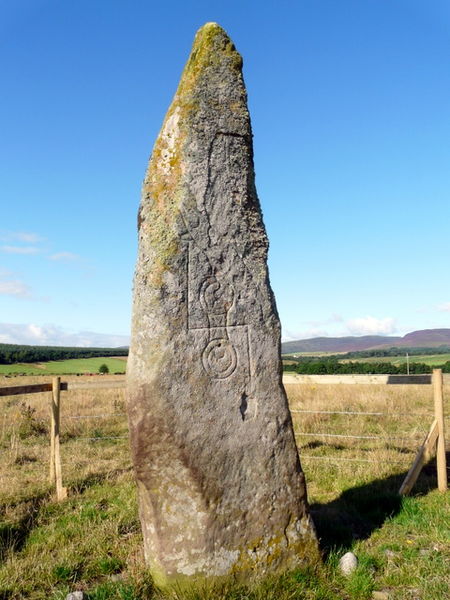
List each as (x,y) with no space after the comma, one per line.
(220,485)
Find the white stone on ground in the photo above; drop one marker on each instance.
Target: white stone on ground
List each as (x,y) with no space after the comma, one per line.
(348,563)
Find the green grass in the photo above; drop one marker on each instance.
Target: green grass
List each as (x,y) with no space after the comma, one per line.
(60,367)
(92,540)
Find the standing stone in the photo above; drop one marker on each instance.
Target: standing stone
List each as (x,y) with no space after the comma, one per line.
(220,484)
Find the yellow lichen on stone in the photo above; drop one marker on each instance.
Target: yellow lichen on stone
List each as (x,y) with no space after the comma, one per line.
(163,185)
(211,45)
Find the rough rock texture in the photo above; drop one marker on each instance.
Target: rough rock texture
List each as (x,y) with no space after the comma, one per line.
(221,488)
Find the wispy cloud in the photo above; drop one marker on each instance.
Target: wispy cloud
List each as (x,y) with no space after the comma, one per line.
(26,237)
(358,326)
(64,256)
(10,285)
(53,335)
(18,242)
(444,307)
(20,249)
(312,329)
(371,326)
(15,288)
(304,334)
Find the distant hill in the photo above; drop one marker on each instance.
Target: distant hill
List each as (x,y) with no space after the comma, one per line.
(425,338)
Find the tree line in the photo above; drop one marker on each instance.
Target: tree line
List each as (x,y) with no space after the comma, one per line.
(333,367)
(15,353)
(397,351)
(378,353)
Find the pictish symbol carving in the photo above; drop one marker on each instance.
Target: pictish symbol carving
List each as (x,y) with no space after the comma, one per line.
(219,358)
(216,297)
(211,302)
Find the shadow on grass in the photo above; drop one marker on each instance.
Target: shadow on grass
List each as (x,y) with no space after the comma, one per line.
(79,486)
(14,535)
(358,511)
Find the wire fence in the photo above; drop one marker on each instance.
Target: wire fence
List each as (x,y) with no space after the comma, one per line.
(375,436)
(360,412)
(71,428)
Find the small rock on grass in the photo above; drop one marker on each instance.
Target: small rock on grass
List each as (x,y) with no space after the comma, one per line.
(348,563)
(76,596)
(380,596)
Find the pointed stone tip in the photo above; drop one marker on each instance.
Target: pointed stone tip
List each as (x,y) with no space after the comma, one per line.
(210,24)
(211,45)
(210,28)
(210,34)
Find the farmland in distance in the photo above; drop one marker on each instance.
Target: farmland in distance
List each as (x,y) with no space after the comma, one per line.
(73,366)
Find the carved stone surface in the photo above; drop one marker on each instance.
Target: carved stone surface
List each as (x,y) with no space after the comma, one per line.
(221,488)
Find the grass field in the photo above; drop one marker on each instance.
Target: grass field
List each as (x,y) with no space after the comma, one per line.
(92,540)
(313,354)
(71,366)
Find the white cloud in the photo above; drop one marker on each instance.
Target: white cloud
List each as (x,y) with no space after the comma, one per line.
(306,334)
(15,288)
(53,335)
(64,256)
(21,236)
(9,286)
(27,237)
(371,326)
(444,307)
(312,329)
(21,249)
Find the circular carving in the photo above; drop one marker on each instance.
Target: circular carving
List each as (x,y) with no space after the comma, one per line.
(219,358)
(217,298)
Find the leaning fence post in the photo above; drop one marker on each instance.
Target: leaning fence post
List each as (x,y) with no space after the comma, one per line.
(439,416)
(55,456)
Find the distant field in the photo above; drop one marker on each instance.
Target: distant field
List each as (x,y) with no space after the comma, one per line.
(72,366)
(428,359)
(313,354)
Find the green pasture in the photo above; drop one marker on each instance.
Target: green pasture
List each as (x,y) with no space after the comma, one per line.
(65,367)
(310,354)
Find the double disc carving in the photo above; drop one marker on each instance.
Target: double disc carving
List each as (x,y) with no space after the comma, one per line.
(219,358)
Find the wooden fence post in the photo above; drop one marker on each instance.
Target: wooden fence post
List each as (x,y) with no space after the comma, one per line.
(55,456)
(52,439)
(422,457)
(439,416)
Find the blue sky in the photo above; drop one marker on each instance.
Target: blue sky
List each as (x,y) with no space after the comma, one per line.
(350,105)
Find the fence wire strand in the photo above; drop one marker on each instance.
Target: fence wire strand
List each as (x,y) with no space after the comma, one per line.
(104,437)
(93,416)
(339,459)
(354,412)
(360,437)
